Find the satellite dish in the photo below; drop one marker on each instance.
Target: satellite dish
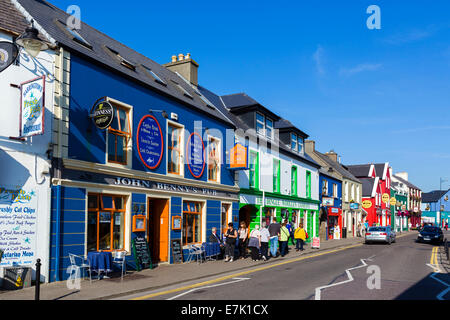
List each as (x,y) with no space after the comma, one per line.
(8,54)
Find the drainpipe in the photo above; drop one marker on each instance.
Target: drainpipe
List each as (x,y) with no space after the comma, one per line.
(58,222)
(262,209)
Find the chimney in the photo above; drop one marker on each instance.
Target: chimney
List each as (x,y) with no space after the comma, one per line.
(403,175)
(185,66)
(310,146)
(332,155)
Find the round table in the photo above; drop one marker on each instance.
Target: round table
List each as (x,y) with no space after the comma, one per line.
(100,261)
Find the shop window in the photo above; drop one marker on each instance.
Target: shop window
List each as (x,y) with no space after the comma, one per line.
(119,136)
(264,126)
(192,221)
(214,159)
(106,222)
(175,149)
(276,176)
(324,187)
(253,170)
(224,216)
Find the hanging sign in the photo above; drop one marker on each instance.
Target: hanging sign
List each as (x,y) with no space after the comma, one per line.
(196,155)
(102,114)
(385,198)
(8,54)
(393,201)
(32,107)
(150,142)
(367,204)
(18,222)
(238,157)
(328,202)
(354,206)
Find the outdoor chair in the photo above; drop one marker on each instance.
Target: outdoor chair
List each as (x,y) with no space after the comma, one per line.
(84,265)
(119,260)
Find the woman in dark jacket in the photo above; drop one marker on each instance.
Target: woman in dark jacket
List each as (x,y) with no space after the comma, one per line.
(230,242)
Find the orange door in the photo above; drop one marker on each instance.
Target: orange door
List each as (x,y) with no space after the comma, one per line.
(158,210)
(164,230)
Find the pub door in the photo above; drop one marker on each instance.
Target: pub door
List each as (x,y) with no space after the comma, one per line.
(158,229)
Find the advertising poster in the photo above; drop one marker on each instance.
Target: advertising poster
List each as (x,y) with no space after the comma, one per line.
(18,226)
(32,107)
(196,155)
(150,142)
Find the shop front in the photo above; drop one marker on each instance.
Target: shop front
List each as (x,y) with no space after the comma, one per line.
(334,224)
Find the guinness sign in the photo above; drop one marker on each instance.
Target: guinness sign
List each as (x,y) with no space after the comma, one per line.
(103,114)
(8,54)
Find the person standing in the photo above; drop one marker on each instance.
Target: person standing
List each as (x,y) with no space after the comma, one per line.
(274,231)
(254,243)
(243,237)
(284,237)
(300,237)
(291,232)
(265,237)
(230,242)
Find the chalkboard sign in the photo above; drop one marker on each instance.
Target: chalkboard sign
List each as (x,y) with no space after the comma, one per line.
(141,253)
(177,251)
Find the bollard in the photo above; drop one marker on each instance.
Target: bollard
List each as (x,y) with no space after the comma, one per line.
(38,280)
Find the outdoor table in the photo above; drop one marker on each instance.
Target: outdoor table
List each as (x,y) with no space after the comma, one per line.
(100,262)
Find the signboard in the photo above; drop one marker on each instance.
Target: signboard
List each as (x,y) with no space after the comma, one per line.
(141,253)
(328,202)
(385,198)
(354,206)
(195,150)
(150,143)
(177,251)
(103,114)
(18,226)
(367,204)
(316,243)
(32,107)
(272,202)
(393,201)
(8,54)
(238,157)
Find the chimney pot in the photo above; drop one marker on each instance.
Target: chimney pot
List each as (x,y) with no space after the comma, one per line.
(174,58)
(188,56)
(180,57)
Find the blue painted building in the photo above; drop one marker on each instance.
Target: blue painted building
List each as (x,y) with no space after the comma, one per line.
(157,171)
(331,203)
(436,207)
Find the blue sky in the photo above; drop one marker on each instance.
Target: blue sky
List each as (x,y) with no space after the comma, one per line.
(371,95)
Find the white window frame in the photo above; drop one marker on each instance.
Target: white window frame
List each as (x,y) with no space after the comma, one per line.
(182,148)
(129,148)
(335,190)
(219,171)
(264,125)
(294,137)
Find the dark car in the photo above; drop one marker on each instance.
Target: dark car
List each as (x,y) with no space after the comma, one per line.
(431,234)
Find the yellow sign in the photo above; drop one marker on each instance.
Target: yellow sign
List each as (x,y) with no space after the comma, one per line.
(386,197)
(367,204)
(393,201)
(239,157)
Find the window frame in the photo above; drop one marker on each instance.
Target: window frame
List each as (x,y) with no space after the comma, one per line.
(276,178)
(194,213)
(294,182)
(181,148)
(294,138)
(219,156)
(256,171)
(308,185)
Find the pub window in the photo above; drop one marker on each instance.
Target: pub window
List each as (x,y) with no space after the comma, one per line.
(192,221)
(175,149)
(106,222)
(214,159)
(119,136)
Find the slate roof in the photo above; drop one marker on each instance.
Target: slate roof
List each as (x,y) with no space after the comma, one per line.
(220,104)
(359,170)
(409,184)
(11,20)
(433,196)
(338,167)
(379,169)
(241,102)
(52,20)
(367,186)
(284,125)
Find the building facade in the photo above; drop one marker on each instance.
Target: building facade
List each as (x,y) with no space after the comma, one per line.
(414,202)
(436,207)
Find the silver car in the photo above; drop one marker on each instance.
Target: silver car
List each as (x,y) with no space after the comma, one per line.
(380,234)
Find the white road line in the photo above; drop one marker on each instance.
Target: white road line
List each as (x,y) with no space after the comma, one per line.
(207,287)
(437,270)
(349,275)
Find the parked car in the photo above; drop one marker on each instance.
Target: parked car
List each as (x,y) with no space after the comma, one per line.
(380,234)
(430,234)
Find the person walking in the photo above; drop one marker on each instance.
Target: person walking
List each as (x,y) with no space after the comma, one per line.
(254,243)
(291,232)
(300,237)
(243,237)
(284,237)
(230,242)
(265,237)
(274,231)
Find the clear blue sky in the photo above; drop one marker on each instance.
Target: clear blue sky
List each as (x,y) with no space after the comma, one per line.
(371,95)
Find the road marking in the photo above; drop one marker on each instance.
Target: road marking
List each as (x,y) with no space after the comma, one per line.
(207,287)
(435,266)
(232,276)
(349,275)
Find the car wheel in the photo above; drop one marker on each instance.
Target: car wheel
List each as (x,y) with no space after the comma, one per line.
(389,241)
(367,242)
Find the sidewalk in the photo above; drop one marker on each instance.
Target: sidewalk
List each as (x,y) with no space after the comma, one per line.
(162,276)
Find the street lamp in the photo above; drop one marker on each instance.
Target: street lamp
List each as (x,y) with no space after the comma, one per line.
(30,41)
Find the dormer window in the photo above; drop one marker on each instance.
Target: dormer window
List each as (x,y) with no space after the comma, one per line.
(264,126)
(297,143)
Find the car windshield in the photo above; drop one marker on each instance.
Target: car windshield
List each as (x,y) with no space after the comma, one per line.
(374,229)
(431,229)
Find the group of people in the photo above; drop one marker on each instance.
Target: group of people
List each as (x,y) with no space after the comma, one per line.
(275,237)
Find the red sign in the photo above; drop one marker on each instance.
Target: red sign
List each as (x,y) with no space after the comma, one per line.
(316,243)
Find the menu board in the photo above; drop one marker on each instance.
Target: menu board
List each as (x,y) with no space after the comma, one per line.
(177,251)
(18,223)
(150,142)
(196,155)
(141,252)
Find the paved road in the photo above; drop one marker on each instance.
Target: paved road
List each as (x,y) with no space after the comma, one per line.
(402,266)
